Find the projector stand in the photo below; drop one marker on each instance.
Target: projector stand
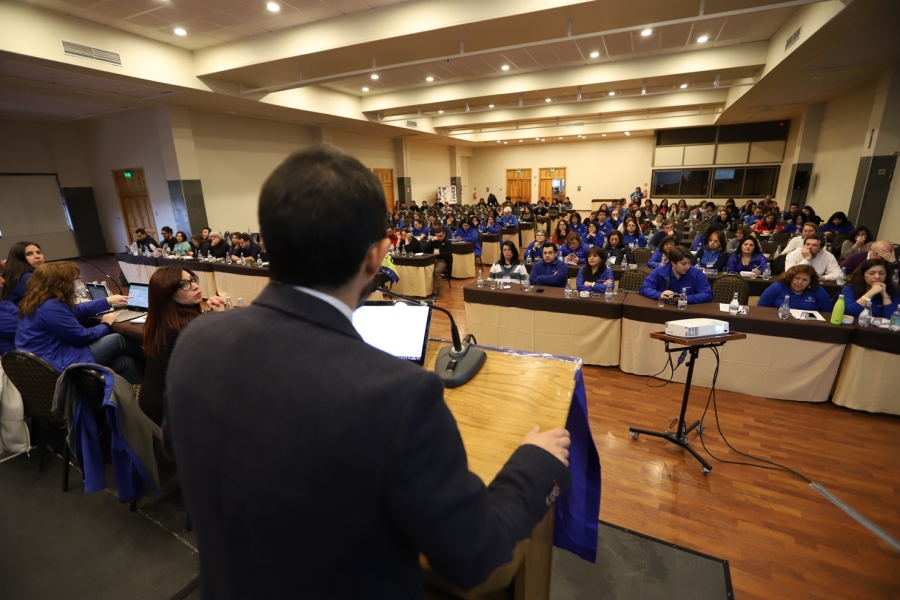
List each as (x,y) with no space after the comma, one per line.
(679,437)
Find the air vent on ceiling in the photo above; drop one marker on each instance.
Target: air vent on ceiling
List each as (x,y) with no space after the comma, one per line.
(411,123)
(792,40)
(82,51)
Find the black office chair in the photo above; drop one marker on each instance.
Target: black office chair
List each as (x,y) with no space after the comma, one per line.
(632,280)
(725,287)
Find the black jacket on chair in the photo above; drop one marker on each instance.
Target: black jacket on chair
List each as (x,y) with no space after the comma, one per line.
(323,467)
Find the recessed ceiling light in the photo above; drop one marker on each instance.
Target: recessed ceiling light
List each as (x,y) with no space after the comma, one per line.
(440,112)
(374,76)
(560,138)
(683,85)
(498,141)
(505,142)
(595,54)
(612,93)
(646,32)
(702,39)
(627,133)
(273,7)
(429,79)
(365,89)
(504,68)
(490,106)
(520,140)
(180,31)
(602,135)
(546,99)
(537,139)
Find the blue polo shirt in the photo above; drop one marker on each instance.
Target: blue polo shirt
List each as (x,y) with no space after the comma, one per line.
(817,299)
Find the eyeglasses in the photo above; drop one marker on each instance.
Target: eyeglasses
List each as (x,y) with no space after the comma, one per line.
(185,284)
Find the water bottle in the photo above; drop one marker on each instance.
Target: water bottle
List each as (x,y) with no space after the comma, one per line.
(241,302)
(895,321)
(228,258)
(784,311)
(682,299)
(243,261)
(403,251)
(480,281)
(568,291)
(842,277)
(865,318)
(259,261)
(209,255)
(837,313)
(777,252)
(896,278)
(767,273)
(610,293)
(734,306)
(228,305)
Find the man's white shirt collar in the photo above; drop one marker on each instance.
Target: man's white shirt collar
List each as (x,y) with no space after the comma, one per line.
(345,310)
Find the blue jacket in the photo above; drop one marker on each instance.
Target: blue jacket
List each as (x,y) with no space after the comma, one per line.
(843,229)
(9,322)
(598,284)
(736,264)
(750,220)
(16,294)
(580,229)
(595,240)
(252,251)
(552,274)
(605,227)
(656,259)
(510,221)
(876,306)
(535,254)
(698,241)
(55,334)
(580,252)
(817,299)
(490,229)
(719,259)
(469,236)
(662,279)
(638,240)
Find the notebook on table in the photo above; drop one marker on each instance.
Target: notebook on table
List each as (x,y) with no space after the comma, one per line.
(137,305)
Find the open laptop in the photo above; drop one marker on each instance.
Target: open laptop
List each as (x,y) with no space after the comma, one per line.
(396,328)
(137,305)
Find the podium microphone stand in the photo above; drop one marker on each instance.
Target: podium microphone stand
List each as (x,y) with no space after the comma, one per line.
(693,346)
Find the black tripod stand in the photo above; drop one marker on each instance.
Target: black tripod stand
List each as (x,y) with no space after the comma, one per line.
(679,436)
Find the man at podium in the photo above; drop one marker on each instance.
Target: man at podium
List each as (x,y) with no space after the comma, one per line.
(325,467)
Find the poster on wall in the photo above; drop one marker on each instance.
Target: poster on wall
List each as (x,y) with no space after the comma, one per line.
(446,194)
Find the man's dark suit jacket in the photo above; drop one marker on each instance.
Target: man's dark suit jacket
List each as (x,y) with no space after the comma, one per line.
(322,466)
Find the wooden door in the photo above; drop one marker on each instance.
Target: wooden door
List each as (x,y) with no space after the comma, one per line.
(386,176)
(134,200)
(547,175)
(518,183)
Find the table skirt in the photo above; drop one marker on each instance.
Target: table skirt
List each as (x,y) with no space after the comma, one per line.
(869,380)
(463,266)
(237,286)
(415,281)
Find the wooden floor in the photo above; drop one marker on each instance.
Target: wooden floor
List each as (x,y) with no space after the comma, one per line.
(782,538)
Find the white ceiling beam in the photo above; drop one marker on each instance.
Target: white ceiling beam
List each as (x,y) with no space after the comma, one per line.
(698,61)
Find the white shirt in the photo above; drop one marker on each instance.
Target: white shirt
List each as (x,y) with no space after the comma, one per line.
(345,310)
(796,242)
(825,264)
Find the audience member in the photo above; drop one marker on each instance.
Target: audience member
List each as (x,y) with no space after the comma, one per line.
(637,194)
(859,240)
(749,258)
(576,226)
(768,225)
(677,277)
(700,238)
(616,250)
(595,276)
(740,235)
(535,250)
(22,260)
(813,253)
(467,233)
(217,246)
(246,248)
(837,225)
(667,228)
(167,244)
(507,219)
(196,243)
(561,233)
(712,255)
(603,226)
(509,264)
(419,231)
(594,237)
(660,255)
(798,242)
(490,226)
(881,249)
(205,241)
(549,271)
(800,284)
(791,213)
(409,243)
(540,210)
(182,247)
(442,248)
(9,322)
(574,251)
(795,225)
(567,204)
(871,285)
(633,236)
(723,218)
(811,215)
(751,219)
(145,242)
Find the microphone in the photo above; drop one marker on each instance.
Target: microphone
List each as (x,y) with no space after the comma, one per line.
(457,364)
(110,277)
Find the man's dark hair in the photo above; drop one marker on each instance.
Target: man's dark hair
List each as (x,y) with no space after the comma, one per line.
(817,236)
(245,237)
(142,231)
(797,204)
(312,194)
(167,229)
(549,244)
(679,253)
(667,222)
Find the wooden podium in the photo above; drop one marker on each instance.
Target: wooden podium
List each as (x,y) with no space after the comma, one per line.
(494,411)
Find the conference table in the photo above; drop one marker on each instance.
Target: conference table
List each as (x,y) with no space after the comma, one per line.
(416,273)
(869,378)
(463,260)
(490,248)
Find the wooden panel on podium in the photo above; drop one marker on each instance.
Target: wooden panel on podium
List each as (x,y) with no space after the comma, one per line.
(494,411)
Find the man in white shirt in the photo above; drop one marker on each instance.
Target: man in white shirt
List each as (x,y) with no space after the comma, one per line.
(825,264)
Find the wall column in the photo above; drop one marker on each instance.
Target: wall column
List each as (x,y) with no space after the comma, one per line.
(804,154)
(404,180)
(176,141)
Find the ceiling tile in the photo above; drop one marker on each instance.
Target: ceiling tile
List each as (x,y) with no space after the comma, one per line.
(142,5)
(592,45)
(248,29)
(737,26)
(223,19)
(130,27)
(568,52)
(171,14)
(199,26)
(57,5)
(197,8)
(248,14)
(298,4)
(111,9)
(293,19)
(147,20)
(768,23)
(349,6)
(517,59)
(710,28)
(645,45)
(618,44)
(81,3)
(227,35)
(674,36)
(90,15)
(322,11)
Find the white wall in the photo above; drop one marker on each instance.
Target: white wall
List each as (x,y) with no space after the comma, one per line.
(126,142)
(603,169)
(429,168)
(841,141)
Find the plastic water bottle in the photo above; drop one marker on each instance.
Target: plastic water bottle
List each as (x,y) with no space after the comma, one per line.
(784,311)
(896,278)
(777,251)
(241,302)
(259,261)
(842,277)
(865,318)
(568,290)
(610,293)
(767,273)
(228,258)
(228,305)
(480,281)
(895,321)
(682,299)
(735,306)
(837,313)
(209,256)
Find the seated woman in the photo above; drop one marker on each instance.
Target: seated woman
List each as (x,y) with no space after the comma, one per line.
(595,276)
(574,251)
(509,264)
(526,216)
(397,220)
(182,246)
(174,299)
(872,285)
(450,222)
(23,259)
(660,256)
(9,322)
(748,258)
(467,233)
(490,225)
(594,238)
(615,218)
(800,284)
(859,239)
(664,206)
(700,238)
(576,226)
(768,225)
(632,236)
(740,235)
(561,233)
(616,250)
(196,244)
(535,251)
(837,225)
(682,210)
(50,327)
(712,255)
(795,225)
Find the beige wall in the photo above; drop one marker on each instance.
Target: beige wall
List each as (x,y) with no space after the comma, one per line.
(841,142)
(25,148)
(890,222)
(603,169)
(429,168)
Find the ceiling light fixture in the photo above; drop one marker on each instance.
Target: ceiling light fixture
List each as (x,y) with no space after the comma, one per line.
(180,31)
(365,89)
(429,79)
(498,141)
(374,76)
(490,106)
(505,142)
(504,68)
(273,7)
(683,85)
(612,93)
(546,99)
(560,138)
(440,112)
(520,140)
(646,32)
(702,39)
(627,133)
(537,139)
(602,135)
(595,54)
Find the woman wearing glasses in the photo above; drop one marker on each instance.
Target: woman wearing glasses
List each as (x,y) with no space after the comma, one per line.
(174,299)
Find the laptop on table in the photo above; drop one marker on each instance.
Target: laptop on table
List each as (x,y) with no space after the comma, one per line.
(137,305)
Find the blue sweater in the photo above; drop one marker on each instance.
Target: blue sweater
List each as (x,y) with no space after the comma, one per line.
(662,279)
(876,305)
(656,259)
(18,291)
(698,241)
(598,284)
(736,264)
(605,227)
(718,258)
(469,236)
(639,240)
(552,274)
(580,252)
(817,299)
(843,229)
(535,254)
(595,240)
(508,221)
(55,334)
(489,229)
(9,322)
(580,229)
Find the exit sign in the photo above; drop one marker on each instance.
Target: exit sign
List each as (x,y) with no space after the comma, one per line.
(127,174)
(518,170)
(553,170)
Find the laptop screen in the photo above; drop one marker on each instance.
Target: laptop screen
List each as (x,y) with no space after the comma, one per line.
(97,290)
(141,295)
(396,328)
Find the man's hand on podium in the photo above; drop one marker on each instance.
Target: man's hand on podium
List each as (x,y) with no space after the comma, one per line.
(554,441)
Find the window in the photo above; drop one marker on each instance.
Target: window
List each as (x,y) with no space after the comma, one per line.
(754,132)
(680,137)
(728,183)
(760,181)
(681,183)
(745,182)
(666,183)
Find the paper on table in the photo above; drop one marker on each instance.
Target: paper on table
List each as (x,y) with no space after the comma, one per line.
(746,273)
(742,309)
(139,320)
(806,315)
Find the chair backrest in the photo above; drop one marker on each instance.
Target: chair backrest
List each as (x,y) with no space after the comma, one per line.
(701,226)
(777,264)
(35,379)
(642,255)
(781,239)
(768,247)
(632,280)
(725,287)
(90,385)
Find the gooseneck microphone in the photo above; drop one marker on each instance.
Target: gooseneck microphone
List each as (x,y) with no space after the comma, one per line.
(110,277)
(456,364)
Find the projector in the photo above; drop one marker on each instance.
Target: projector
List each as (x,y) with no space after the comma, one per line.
(695,328)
